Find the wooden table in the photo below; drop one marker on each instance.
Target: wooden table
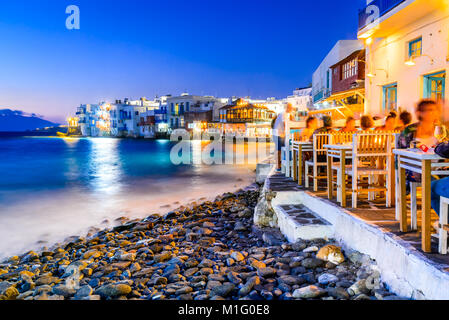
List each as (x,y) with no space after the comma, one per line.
(424,163)
(298,147)
(339,152)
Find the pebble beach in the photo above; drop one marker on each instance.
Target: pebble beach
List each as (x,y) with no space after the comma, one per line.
(207,251)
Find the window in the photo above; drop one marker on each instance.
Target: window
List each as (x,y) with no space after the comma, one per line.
(390,99)
(349,69)
(415,48)
(434,86)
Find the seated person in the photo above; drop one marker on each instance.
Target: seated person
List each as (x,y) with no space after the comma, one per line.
(390,124)
(350,125)
(405,118)
(423,131)
(367,123)
(311,126)
(326,128)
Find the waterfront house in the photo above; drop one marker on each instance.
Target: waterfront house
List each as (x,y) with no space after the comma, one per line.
(348,85)
(190,104)
(322,77)
(301,100)
(245,118)
(407,53)
(345,94)
(147,124)
(88,119)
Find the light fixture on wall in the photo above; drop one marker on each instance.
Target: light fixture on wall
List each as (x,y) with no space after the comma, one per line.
(373,75)
(412,62)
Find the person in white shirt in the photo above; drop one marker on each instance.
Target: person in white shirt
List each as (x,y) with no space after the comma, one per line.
(279,132)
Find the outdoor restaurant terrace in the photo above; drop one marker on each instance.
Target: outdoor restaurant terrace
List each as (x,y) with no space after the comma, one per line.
(368,204)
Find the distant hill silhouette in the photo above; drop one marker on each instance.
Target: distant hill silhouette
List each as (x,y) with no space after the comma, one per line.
(19,121)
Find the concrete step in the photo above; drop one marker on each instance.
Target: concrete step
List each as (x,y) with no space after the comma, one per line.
(298,222)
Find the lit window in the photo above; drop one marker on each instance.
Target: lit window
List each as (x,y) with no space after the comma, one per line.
(415,48)
(349,69)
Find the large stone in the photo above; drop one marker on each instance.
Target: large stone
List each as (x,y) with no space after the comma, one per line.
(43,280)
(223,290)
(84,292)
(92,254)
(358,288)
(8,291)
(239,226)
(114,290)
(206,263)
(312,263)
(63,290)
(272,239)
(258,264)
(162,257)
(338,293)
(327,278)
(309,292)
(264,215)
(249,285)
(266,272)
(184,290)
(234,278)
(291,280)
(237,256)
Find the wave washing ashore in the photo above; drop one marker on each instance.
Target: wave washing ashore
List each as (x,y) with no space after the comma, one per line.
(208,251)
(52,188)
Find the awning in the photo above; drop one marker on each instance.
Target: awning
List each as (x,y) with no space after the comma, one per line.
(346,94)
(342,110)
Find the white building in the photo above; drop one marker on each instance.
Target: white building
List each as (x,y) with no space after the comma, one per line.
(88,119)
(407,53)
(322,77)
(178,106)
(301,100)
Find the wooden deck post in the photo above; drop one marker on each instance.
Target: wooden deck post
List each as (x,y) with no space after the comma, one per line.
(426,209)
(402,201)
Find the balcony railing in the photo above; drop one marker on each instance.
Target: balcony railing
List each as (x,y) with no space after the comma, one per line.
(366,15)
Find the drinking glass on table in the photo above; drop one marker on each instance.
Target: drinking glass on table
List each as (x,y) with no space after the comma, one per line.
(440,133)
(414,144)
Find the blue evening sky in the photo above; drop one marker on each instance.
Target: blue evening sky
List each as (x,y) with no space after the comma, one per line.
(140,48)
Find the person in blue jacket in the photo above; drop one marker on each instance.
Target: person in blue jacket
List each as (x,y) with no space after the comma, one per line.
(440,188)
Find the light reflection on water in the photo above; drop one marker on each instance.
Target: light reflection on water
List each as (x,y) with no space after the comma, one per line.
(105,168)
(55,188)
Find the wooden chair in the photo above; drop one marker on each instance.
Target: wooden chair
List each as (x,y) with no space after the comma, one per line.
(371,157)
(444,225)
(319,152)
(340,138)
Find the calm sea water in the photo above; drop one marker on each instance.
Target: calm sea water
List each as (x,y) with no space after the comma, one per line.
(52,188)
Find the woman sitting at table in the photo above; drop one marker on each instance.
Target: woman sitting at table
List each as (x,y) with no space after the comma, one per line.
(440,188)
(390,123)
(422,132)
(367,123)
(326,128)
(350,125)
(311,126)
(405,118)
